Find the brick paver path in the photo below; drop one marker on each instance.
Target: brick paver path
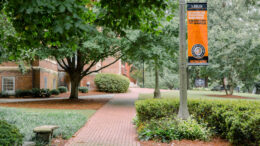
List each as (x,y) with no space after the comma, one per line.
(112,124)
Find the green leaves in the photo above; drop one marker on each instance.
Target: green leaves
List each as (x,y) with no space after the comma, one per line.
(118,14)
(62,9)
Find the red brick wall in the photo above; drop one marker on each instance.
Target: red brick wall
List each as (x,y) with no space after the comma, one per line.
(48,65)
(42,69)
(23,82)
(115,68)
(89,78)
(6,64)
(50,77)
(126,68)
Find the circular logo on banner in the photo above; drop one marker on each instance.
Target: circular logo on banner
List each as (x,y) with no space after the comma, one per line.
(198,51)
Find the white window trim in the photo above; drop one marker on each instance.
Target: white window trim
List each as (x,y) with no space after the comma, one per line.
(9,92)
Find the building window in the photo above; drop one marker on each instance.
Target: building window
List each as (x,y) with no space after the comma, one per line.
(8,84)
(54,83)
(45,82)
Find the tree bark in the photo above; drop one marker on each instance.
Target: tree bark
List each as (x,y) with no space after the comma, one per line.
(206,81)
(157,93)
(231,87)
(74,81)
(231,90)
(224,86)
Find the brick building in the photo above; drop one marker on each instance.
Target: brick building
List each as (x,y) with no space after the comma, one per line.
(46,74)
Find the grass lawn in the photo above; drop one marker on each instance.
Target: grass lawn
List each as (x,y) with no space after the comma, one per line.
(197,94)
(26,119)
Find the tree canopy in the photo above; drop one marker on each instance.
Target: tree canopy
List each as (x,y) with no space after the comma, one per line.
(80,32)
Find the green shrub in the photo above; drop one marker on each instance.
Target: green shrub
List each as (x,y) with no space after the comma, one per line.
(112,83)
(168,129)
(36,92)
(45,93)
(22,93)
(236,120)
(83,89)
(62,89)
(9,135)
(4,95)
(54,92)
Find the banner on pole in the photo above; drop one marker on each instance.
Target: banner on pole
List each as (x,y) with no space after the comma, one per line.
(197,34)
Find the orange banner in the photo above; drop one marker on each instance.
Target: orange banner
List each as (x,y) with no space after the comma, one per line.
(197,34)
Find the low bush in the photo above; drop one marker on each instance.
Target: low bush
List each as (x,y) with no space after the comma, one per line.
(54,92)
(168,129)
(4,95)
(10,135)
(22,93)
(112,83)
(36,92)
(236,120)
(45,93)
(83,89)
(62,89)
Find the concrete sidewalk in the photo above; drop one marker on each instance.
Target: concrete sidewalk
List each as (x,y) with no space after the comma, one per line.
(112,124)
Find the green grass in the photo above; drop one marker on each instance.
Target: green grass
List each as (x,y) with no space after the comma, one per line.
(69,121)
(197,94)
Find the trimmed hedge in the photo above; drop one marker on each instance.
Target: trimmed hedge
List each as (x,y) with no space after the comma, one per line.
(62,89)
(236,120)
(112,83)
(4,95)
(36,92)
(10,135)
(83,89)
(54,92)
(22,93)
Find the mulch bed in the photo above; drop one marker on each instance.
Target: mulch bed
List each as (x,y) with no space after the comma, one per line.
(80,94)
(60,104)
(231,96)
(213,142)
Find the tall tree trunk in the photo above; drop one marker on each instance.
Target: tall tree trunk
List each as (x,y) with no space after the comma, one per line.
(74,81)
(224,86)
(231,86)
(231,90)
(157,93)
(248,89)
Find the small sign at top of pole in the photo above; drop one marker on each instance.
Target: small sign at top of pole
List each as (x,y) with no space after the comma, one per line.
(197,34)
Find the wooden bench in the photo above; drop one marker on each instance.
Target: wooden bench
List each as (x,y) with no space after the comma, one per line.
(45,133)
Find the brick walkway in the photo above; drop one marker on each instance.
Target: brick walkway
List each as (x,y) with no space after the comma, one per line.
(112,124)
